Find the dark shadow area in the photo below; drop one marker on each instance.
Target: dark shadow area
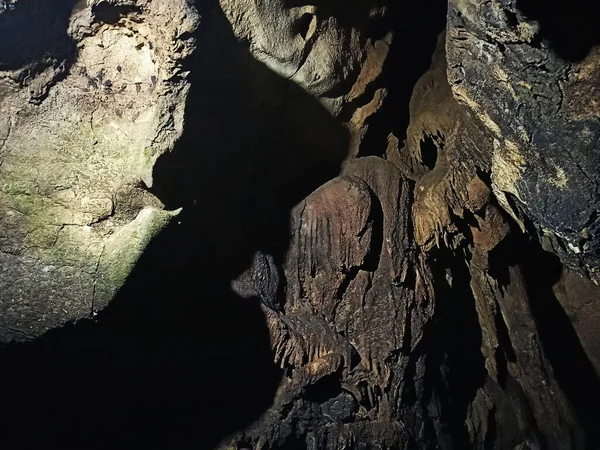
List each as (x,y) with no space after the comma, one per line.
(111,14)
(417,26)
(504,256)
(456,364)
(178,360)
(570,27)
(35,30)
(429,152)
(572,368)
(258,144)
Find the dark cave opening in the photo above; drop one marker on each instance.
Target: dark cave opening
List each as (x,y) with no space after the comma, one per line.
(417,26)
(456,365)
(571,27)
(324,389)
(303,25)
(429,152)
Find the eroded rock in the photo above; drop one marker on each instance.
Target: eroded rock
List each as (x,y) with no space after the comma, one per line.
(544,157)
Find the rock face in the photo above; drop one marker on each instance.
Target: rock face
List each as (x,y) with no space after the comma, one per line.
(544,159)
(219,210)
(90,98)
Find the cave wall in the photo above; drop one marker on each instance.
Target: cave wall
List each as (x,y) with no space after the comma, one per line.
(414,235)
(92,93)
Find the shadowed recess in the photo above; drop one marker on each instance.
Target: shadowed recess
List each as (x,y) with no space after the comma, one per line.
(33,31)
(570,27)
(572,367)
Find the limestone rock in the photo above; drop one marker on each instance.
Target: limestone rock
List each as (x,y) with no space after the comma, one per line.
(268,256)
(91,93)
(544,155)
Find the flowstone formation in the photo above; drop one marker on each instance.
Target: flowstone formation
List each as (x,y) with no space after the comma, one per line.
(421,291)
(332,225)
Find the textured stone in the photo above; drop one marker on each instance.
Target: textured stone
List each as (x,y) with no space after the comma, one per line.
(83,122)
(544,157)
(228,191)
